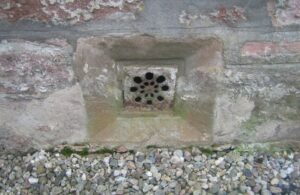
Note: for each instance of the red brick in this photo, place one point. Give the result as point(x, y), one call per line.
point(64, 12)
point(269, 49)
point(34, 70)
point(229, 15)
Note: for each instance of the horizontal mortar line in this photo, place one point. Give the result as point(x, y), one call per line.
point(279, 65)
point(170, 27)
point(137, 29)
point(92, 31)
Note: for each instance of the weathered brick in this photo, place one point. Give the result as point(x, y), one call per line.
point(229, 15)
point(270, 49)
point(34, 70)
point(284, 12)
point(65, 12)
point(222, 15)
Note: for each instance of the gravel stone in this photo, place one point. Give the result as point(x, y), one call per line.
point(33, 180)
point(274, 181)
point(214, 188)
point(155, 171)
point(275, 189)
point(121, 149)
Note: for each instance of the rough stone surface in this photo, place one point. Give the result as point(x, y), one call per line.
point(43, 123)
point(237, 79)
point(256, 102)
point(229, 115)
point(269, 51)
point(284, 12)
point(31, 70)
point(68, 12)
point(102, 66)
point(38, 94)
point(222, 15)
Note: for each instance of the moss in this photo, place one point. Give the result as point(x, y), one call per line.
point(131, 151)
point(68, 151)
point(262, 148)
point(207, 151)
point(151, 146)
point(105, 151)
point(83, 152)
point(292, 116)
point(292, 101)
point(253, 122)
point(180, 110)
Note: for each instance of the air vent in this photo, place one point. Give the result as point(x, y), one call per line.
point(149, 87)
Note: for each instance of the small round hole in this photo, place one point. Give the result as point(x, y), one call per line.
point(149, 75)
point(146, 83)
point(137, 80)
point(155, 91)
point(133, 89)
point(160, 98)
point(146, 95)
point(160, 79)
point(155, 86)
point(152, 83)
point(142, 87)
point(165, 88)
point(152, 95)
point(138, 99)
point(142, 91)
point(149, 102)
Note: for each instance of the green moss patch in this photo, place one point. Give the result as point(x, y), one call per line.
point(104, 151)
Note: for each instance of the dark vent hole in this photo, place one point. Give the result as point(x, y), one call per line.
point(149, 75)
point(138, 80)
point(138, 99)
point(160, 79)
point(160, 98)
point(133, 89)
point(149, 102)
point(165, 88)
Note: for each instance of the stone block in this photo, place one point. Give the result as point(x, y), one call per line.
point(272, 52)
point(39, 101)
point(31, 70)
point(107, 67)
point(67, 12)
point(258, 104)
point(284, 12)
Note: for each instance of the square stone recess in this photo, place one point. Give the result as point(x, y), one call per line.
point(149, 87)
point(106, 68)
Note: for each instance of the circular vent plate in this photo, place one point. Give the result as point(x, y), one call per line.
point(149, 87)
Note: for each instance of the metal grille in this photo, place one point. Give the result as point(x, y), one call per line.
point(150, 87)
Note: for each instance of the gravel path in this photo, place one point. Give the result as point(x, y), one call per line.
point(156, 171)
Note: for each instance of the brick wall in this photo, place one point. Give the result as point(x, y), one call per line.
point(258, 82)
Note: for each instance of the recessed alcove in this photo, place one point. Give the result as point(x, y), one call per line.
point(142, 90)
